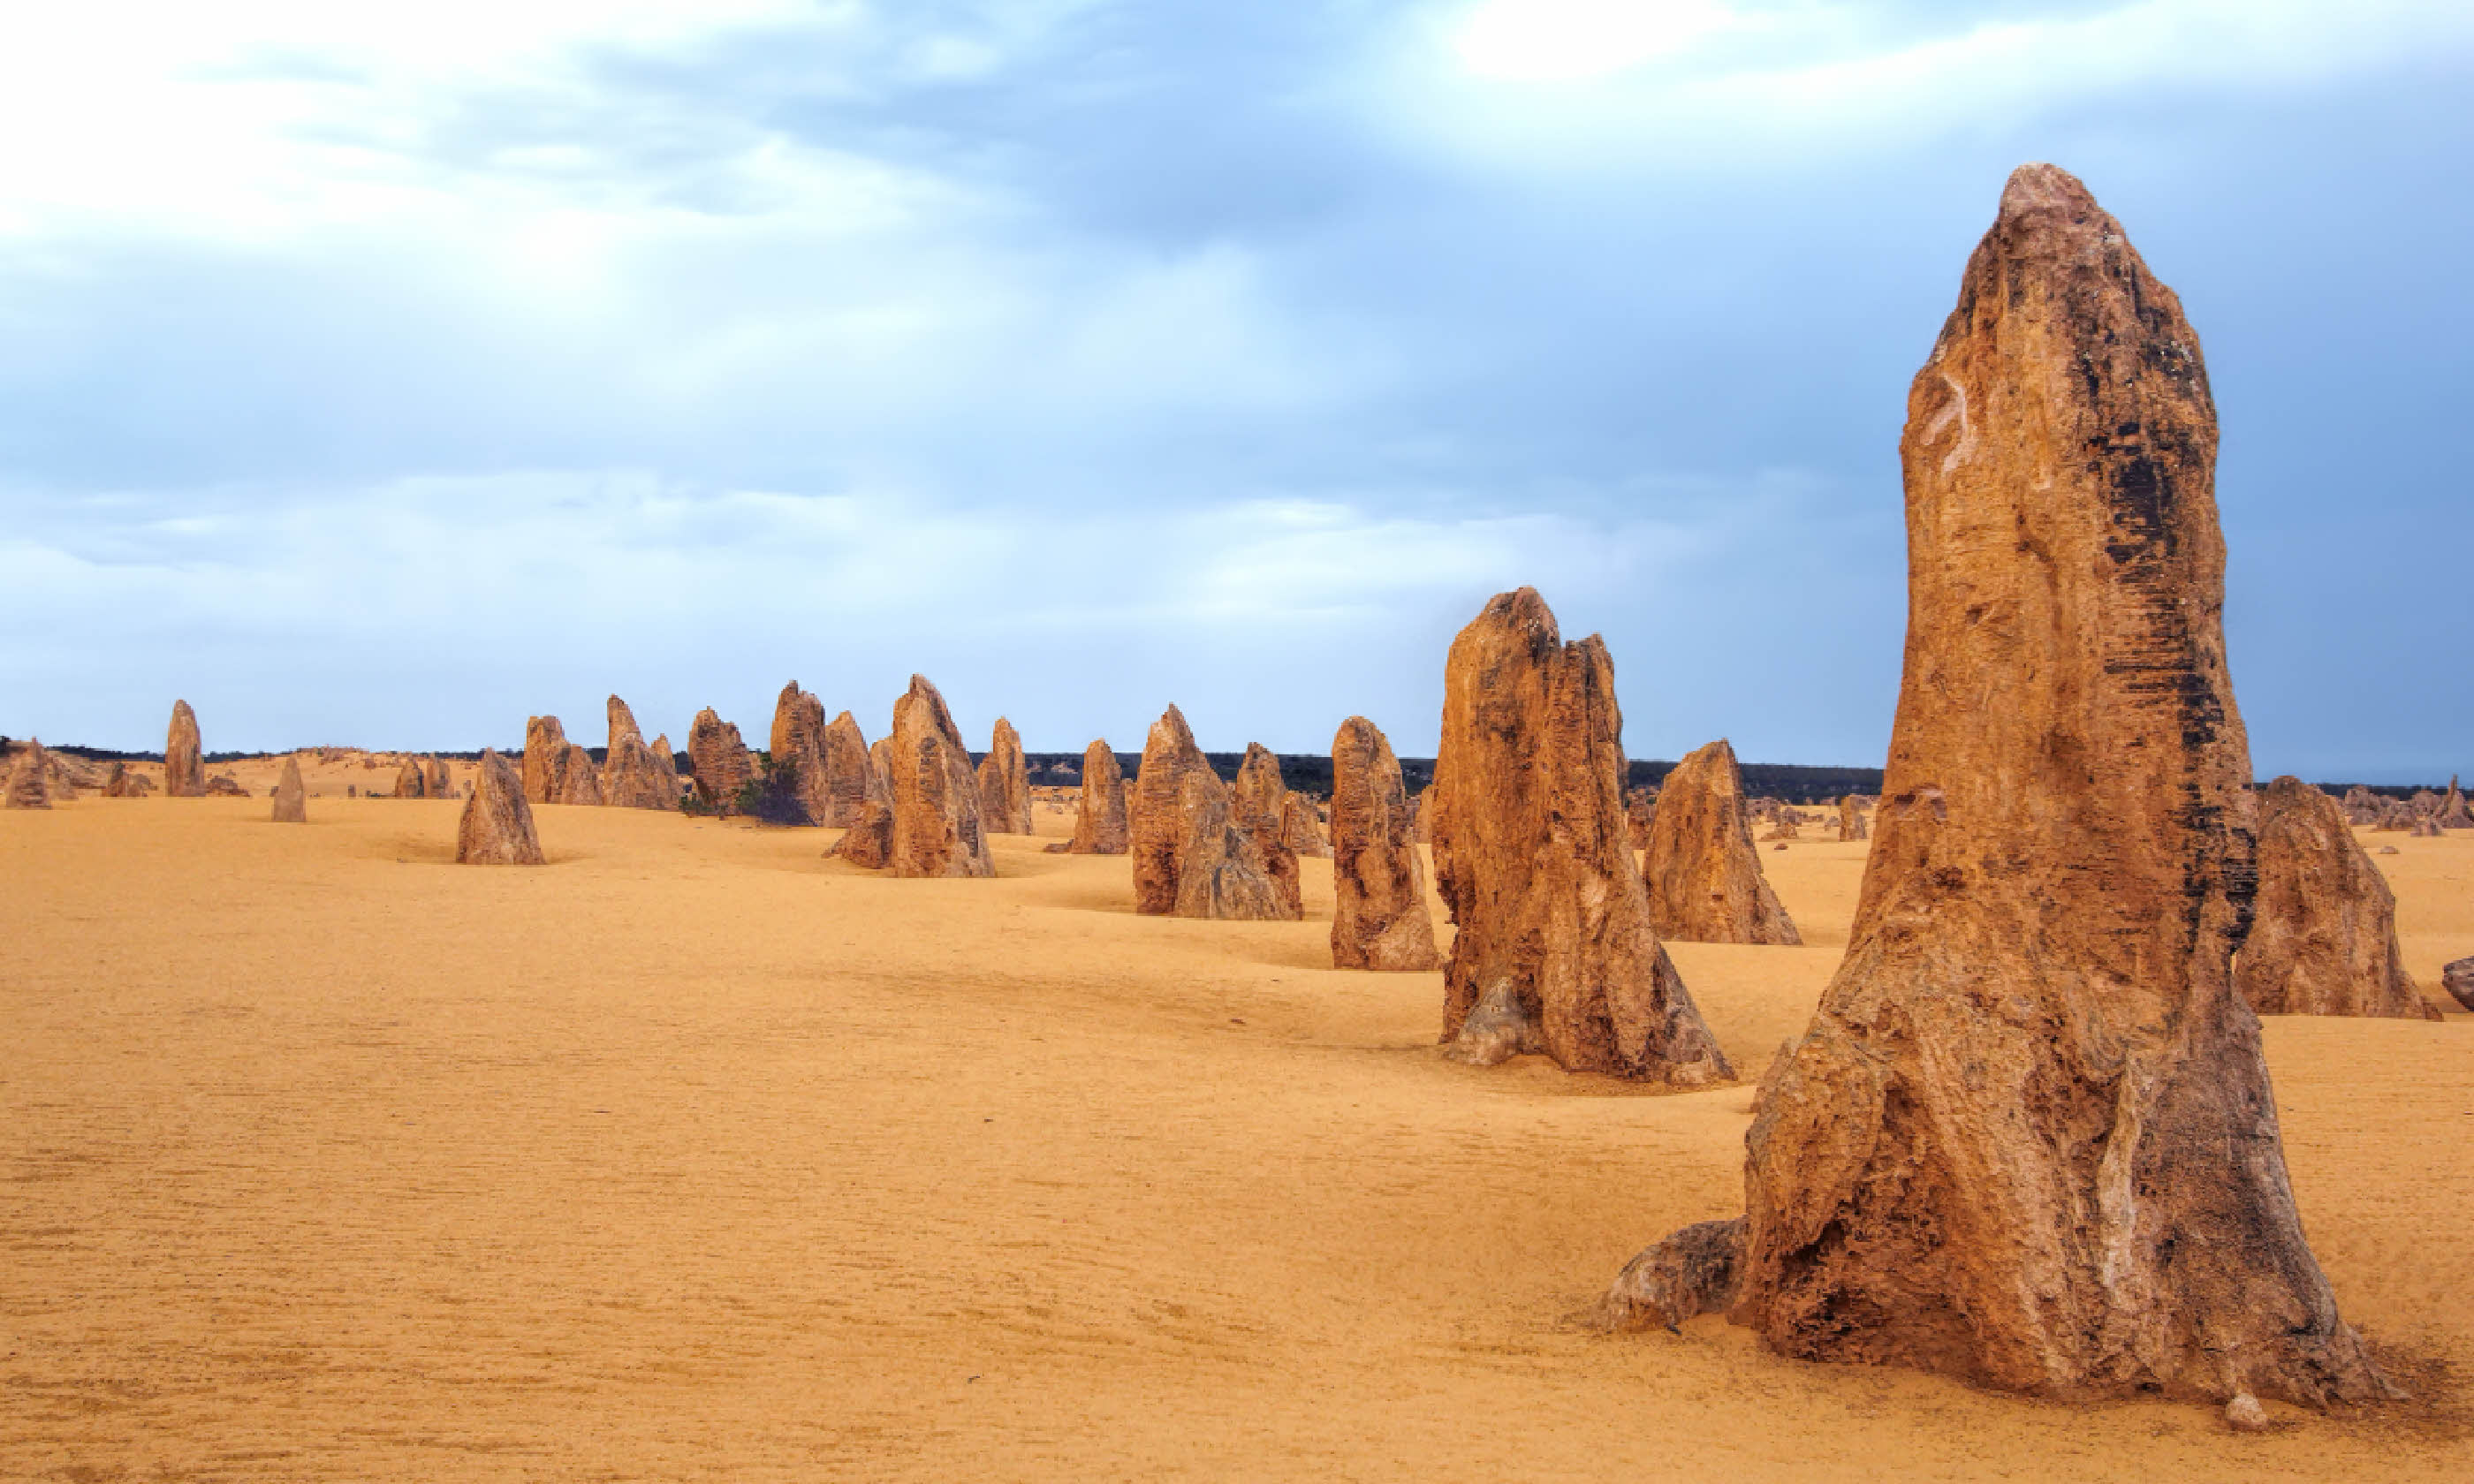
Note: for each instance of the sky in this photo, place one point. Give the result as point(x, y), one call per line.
point(383, 376)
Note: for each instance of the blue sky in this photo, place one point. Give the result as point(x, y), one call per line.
point(383, 378)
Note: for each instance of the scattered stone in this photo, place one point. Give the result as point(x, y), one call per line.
point(1704, 878)
point(1100, 826)
point(1555, 952)
point(2457, 977)
point(2385, 849)
point(718, 761)
point(1696, 1270)
point(1380, 921)
point(934, 795)
point(1004, 784)
point(496, 828)
point(631, 778)
point(1851, 817)
point(546, 760)
point(2029, 1139)
point(2244, 1413)
point(2323, 921)
point(28, 784)
point(1258, 802)
point(1158, 827)
point(184, 767)
point(291, 797)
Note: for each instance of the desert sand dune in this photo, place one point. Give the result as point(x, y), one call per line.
point(695, 1154)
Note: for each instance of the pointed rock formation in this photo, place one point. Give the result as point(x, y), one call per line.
point(1158, 827)
point(2323, 926)
point(719, 760)
point(29, 782)
point(1555, 952)
point(1004, 784)
point(1258, 804)
point(631, 778)
point(868, 840)
point(1380, 921)
point(1301, 828)
point(546, 759)
point(496, 828)
point(440, 786)
point(847, 773)
point(2362, 806)
point(579, 782)
point(2029, 1139)
point(2453, 813)
point(1100, 827)
point(1222, 872)
point(798, 744)
point(2425, 826)
point(665, 762)
point(184, 766)
point(410, 782)
point(934, 793)
point(291, 799)
point(1703, 877)
point(1851, 817)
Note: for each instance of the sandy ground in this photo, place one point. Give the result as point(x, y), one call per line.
point(695, 1155)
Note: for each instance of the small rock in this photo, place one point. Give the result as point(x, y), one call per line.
point(2244, 1413)
point(2457, 979)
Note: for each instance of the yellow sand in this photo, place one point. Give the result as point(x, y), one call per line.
point(695, 1155)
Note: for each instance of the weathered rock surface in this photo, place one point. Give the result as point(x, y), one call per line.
point(1380, 921)
point(1099, 826)
point(1640, 807)
point(291, 797)
point(846, 773)
point(579, 782)
point(1158, 827)
point(2362, 806)
point(2425, 826)
point(632, 778)
point(798, 744)
point(1258, 802)
point(28, 783)
point(868, 838)
point(184, 766)
point(546, 760)
point(1696, 1270)
point(665, 762)
point(2324, 924)
point(1301, 828)
point(496, 828)
point(1555, 952)
point(2029, 1139)
point(2457, 977)
point(1703, 875)
point(2453, 813)
point(411, 780)
point(1221, 871)
point(718, 761)
point(1851, 817)
point(441, 784)
point(933, 793)
point(1004, 784)
point(223, 786)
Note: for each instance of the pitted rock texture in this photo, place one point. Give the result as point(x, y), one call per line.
point(1703, 875)
point(28, 784)
point(2457, 977)
point(1099, 826)
point(718, 761)
point(1005, 784)
point(2324, 924)
point(1258, 801)
point(1221, 871)
point(496, 828)
point(1157, 827)
point(798, 744)
point(632, 777)
point(934, 793)
point(1640, 807)
point(1697, 1270)
point(579, 782)
point(184, 767)
point(846, 774)
point(868, 838)
point(1555, 952)
point(2028, 1138)
point(546, 760)
point(1301, 828)
point(1851, 817)
point(1380, 919)
point(291, 797)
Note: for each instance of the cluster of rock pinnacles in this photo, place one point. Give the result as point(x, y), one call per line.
point(2027, 1139)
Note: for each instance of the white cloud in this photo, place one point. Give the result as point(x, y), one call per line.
point(1539, 41)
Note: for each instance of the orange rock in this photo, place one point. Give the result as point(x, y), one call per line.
point(2323, 924)
point(1301, 828)
point(440, 785)
point(1004, 784)
point(579, 782)
point(1703, 875)
point(2029, 1140)
point(291, 799)
point(1555, 952)
point(718, 761)
point(1100, 827)
point(28, 783)
point(632, 778)
point(1158, 827)
point(1258, 804)
point(496, 828)
point(184, 768)
point(847, 775)
point(546, 760)
point(798, 744)
point(1851, 817)
point(868, 840)
point(1221, 869)
point(411, 781)
point(1380, 921)
point(934, 793)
